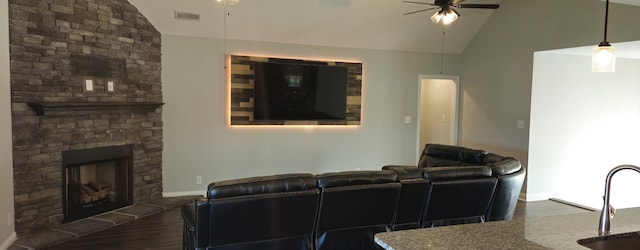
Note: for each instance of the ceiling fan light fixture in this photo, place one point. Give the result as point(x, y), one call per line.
point(447, 16)
point(603, 58)
point(228, 2)
point(437, 17)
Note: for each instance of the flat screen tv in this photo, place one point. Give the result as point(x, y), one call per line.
point(299, 90)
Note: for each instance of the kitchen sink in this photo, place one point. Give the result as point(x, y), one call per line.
point(621, 241)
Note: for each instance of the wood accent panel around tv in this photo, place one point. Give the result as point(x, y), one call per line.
point(284, 91)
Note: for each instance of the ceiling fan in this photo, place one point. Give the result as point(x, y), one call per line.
point(447, 13)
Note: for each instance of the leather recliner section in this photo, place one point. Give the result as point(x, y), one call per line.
point(413, 192)
point(458, 195)
point(510, 174)
point(271, 212)
point(354, 206)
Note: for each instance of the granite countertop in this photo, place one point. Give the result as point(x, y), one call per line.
point(553, 232)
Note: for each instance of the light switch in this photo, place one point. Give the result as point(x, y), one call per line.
point(88, 85)
point(110, 86)
point(407, 119)
point(520, 124)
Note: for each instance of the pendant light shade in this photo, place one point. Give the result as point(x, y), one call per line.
point(604, 56)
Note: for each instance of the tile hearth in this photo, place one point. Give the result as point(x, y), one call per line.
point(69, 231)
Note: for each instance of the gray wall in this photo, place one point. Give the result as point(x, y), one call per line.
point(6, 162)
point(497, 65)
point(198, 141)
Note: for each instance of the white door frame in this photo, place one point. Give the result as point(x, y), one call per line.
point(455, 127)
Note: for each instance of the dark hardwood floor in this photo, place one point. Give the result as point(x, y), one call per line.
point(164, 230)
point(159, 231)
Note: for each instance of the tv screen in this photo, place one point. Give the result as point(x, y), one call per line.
point(299, 91)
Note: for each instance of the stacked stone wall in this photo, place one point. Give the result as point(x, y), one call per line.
point(55, 47)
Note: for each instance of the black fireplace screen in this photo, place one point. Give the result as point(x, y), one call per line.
point(96, 181)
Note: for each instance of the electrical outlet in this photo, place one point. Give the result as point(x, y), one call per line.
point(198, 179)
point(110, 86)
point(88, 85)
point(407, 119)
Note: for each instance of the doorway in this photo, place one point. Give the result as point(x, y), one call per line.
point(437, 110)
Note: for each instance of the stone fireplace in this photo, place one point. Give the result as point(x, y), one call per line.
point(96, 180)
point(56, 48)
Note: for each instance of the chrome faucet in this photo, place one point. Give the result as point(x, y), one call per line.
point(606, 214)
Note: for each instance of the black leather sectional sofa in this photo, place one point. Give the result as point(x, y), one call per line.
point(343, 210)
point(461, 185)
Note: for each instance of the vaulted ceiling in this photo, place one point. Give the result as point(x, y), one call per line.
point(369, 24)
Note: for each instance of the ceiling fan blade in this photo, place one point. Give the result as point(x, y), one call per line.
point(455, 11)
point(456, 2)
point(415, 2)
point(478, 6)
point(413, 12)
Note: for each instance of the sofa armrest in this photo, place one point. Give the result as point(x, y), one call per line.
point(196, 224)
point(189, 216)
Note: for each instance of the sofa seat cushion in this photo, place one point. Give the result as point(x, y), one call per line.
point(456, 172)
point(261, 185)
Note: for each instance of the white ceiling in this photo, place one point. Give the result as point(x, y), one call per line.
point(370, 24)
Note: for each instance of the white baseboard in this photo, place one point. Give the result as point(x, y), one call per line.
point(536, 197)
point(574, 204)
point(7, 243)
point(185, 193)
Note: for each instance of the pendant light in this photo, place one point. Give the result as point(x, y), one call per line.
point(604, 56)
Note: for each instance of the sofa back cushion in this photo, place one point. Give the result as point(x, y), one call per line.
point(444, 151)
point(501, 165)
point(271, 212)
point(261, 185)
point(355, 178)
point(473, 156)
point(405, 172)
point(435, 155)
point(456, 172)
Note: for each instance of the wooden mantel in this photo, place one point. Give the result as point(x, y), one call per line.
point(42, 108)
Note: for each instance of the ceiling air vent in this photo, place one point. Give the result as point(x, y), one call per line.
point(181, 15)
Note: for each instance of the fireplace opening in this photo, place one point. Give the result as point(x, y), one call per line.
point(96, 180)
